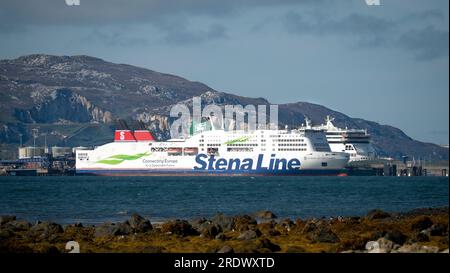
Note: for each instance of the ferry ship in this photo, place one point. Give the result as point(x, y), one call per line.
point(211, 151)
point(355, 142)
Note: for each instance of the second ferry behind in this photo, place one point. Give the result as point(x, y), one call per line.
point(211, 151)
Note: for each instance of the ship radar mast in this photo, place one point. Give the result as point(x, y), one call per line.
point(329, 120)
point(308, 122)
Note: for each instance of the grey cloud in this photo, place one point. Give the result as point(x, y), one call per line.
point(114, 39)
point(181, 35)
point(353, 24)
point(22, 14)
point(426, 43)
point(370, 31)
point(101, 12)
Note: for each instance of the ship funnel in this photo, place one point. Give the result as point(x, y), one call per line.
point(123, 136)
point(143, 135)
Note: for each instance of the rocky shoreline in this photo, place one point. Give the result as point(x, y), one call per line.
point(417, 231)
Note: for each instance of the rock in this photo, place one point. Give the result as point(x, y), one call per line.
point(382, 245)
point(265, 214)
point(179, 227)
point(225, 222)
point(221, 237)
point(415, 248)
point(438, 230)
point(249, 235)
point(421, 223)
point(377, 214)
point(422, 237)
point(273, 232)
point(139, 224)
point(267, 244)
point(211, 231)
point(244, 222)
point(426, 232)
point(287, 224)
point(6, 218)
point(377, 235)
point(5, 233)
point(17, 225)
point(45, 230)
point(112, 229)
point(267, 225)
point(226, 249)
point(324, 235)
point(396, 236)
point(309, 227)
point(199, 224)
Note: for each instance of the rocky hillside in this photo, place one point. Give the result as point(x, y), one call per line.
point(79, 100)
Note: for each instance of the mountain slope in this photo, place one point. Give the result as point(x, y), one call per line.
point(79, 100)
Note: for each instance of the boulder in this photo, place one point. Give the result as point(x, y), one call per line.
point(377, 214)
point(396, 236)
point(265, 214)
point(112, 229)
point(179, 227)
point(309, 227)
point(226, 249)
point(211, 231)
point(421, 237)
point(45, 230)
point(381, 245)
point(139, 224)
point(221, 237)
point(6, 218)
point(324, 235)
point(273, 232)
point(225, 222)
point(244, 222)
point(5, 233)
point(249, 235)
point(199, 223)
point(17, 225)
point(267, 244)
point(438, 230)
point(287, 224)
point(415, 248)
point(421, 223)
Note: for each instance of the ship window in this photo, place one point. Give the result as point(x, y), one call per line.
point(324, 164)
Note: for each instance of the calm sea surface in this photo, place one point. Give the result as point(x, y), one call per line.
point(98, 199)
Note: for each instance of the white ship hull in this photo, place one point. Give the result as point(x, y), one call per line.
point(260, 157)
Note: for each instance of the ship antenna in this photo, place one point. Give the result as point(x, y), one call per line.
point(308, 122)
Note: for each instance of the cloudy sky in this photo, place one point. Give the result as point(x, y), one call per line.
point(386, 63)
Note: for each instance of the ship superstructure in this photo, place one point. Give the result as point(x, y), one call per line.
point(355, 142)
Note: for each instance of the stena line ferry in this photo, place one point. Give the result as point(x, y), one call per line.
point(215, 152)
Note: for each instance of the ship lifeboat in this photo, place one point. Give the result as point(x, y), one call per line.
point(191, 151)
point(174, 151)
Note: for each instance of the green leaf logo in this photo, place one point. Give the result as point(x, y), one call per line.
point(117, 159)
point(237, 140)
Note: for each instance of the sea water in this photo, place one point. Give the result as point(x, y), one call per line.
point(92, 200)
